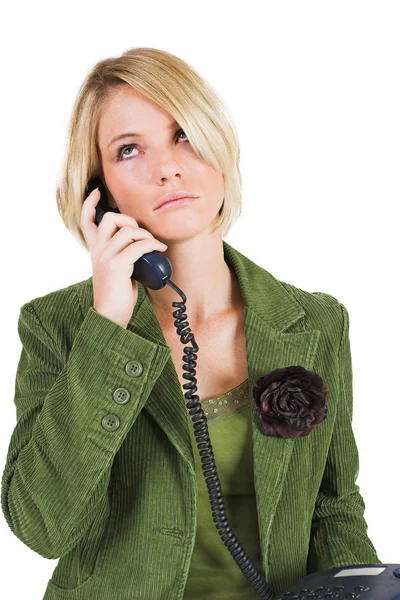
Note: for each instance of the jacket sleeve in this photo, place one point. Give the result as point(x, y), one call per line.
point(60, 455)
point(339, 530)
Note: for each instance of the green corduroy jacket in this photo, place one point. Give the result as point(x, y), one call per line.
point(114, 499)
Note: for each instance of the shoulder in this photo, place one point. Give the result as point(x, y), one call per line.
point(284, 304)
point(322, 310)
point(263, 288)
point(59, 301)
point(313, 301)
point(57, 315)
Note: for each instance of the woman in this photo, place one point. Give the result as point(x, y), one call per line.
point(103, 471)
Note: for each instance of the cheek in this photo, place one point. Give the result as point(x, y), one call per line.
point(216, 184)
point(129, 195)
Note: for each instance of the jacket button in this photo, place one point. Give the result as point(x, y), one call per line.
point(121, 395)
point(134, 368)
point(110, 422)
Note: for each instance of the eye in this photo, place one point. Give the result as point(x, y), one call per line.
point(181, 130)
point(121, 149)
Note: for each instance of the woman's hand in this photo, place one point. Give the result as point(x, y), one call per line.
point(115, 245)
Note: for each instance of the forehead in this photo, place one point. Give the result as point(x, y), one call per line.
point(127, 109)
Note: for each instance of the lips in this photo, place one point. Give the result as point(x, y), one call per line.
point(176, 203)
point(175, 196)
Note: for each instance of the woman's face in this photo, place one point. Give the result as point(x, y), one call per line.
point(161, 161)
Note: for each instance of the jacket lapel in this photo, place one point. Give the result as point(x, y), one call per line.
point(270, 310)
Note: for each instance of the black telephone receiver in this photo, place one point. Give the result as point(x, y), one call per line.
point(153, 269)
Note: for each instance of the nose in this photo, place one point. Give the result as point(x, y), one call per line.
point(168, 167)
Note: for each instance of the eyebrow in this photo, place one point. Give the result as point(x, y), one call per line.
point(138, 135)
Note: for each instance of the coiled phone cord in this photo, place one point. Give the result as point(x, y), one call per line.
point(206, 452)
point(153, 270)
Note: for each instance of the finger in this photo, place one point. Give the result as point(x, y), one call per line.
point(104, 232)
point(112, 222)
point(124, 237)
point(88, 213)
point(134, 251)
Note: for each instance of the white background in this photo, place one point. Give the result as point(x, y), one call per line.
point(314, 91)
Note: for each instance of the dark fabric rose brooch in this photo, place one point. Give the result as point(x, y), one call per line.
point(290, 402)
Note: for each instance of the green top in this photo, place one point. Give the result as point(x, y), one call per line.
point(213, 572)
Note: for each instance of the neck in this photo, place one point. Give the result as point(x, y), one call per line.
point(200, 271)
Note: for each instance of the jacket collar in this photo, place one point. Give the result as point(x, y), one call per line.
point(270, 311)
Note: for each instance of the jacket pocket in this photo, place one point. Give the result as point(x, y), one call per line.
point(86, 591)
point(79, 567)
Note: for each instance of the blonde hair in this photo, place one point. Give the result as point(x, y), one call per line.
point(183, 93)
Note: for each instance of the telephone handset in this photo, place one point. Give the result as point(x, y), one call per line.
point(154, 270)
